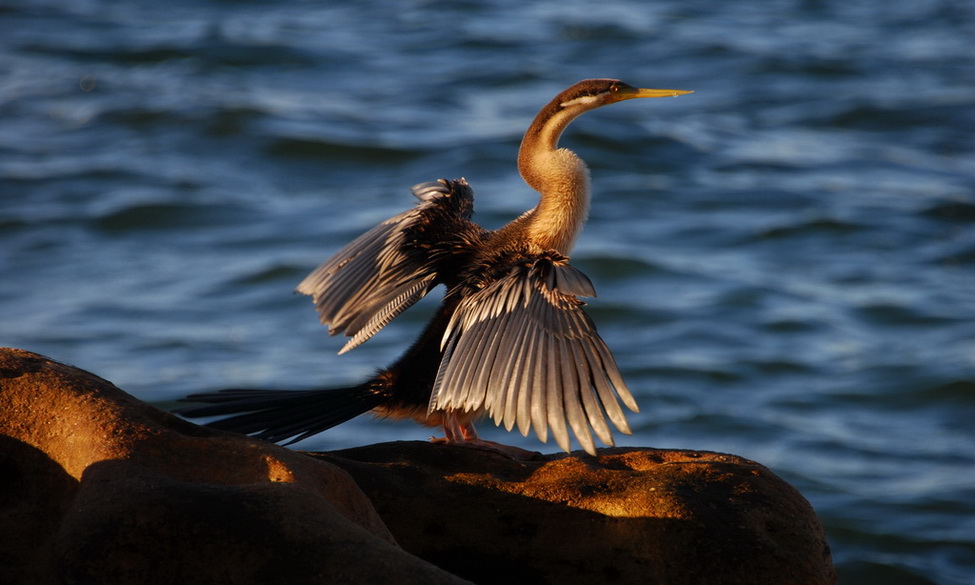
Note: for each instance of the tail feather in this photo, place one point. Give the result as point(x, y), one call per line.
point(278, 415)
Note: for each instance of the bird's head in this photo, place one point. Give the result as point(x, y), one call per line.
point(582, 97)
point(593, 93)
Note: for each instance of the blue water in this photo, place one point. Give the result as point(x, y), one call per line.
point(785, 258)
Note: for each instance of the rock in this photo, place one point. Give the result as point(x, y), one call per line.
point(628, 516)
point(98, 487)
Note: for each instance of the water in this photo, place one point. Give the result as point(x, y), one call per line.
point(785, 258)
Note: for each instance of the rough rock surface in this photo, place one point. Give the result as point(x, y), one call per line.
point(98, 487)
point(628, 516)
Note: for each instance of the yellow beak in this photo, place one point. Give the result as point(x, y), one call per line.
point(630, 93)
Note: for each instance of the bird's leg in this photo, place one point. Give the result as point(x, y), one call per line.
point(464, 435)
point(457, 432)
point(468, 432)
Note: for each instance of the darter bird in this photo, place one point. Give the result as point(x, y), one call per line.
point(510, 339)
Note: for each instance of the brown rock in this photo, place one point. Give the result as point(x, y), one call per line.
point(97, 487)
point(628, 516)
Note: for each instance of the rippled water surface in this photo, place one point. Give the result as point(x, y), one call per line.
point(785, 258)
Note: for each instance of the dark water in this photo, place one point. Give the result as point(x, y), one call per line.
point(785, 258)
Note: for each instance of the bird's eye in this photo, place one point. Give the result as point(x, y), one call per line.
point(614, 88)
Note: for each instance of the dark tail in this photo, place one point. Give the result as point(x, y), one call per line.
point(278, 415)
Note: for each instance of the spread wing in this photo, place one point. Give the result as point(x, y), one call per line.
point(523, 350)
point(386, 270)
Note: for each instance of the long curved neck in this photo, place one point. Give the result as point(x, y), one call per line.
point(561, 178)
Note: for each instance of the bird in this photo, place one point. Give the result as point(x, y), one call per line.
point(510, 339)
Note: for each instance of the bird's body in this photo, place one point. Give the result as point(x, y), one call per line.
point(510, 339)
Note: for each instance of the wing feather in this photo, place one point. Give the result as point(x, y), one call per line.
point(539, 389)
point(523, 390)
point(574, 412)
point(605, 392)
point(522, 350)
point(594, 411)
point(386, 270)
point(501, 405)
point(557, 389)
point(390, 311)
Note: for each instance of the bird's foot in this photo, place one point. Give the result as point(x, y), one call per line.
point(463, 434)
point(510, 451)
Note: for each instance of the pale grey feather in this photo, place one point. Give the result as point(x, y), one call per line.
point(523, 351)
point(374, 278)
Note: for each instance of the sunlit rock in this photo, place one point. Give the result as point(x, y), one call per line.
point(98, 487)
point(628, 516)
